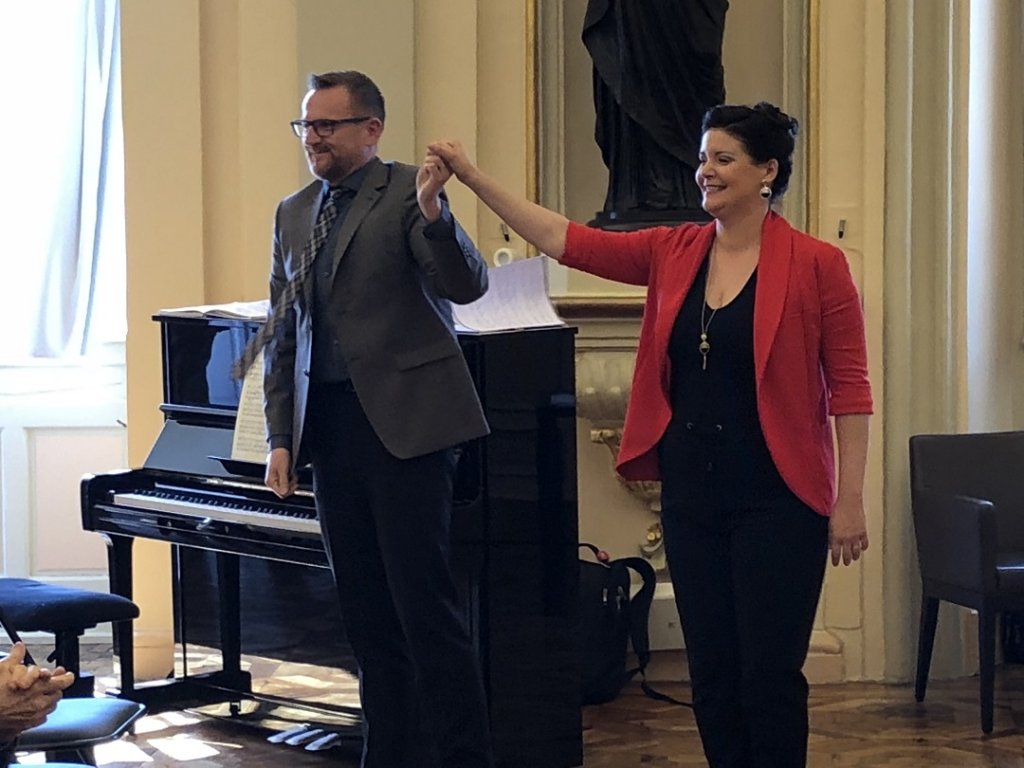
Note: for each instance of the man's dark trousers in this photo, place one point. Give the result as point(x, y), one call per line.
point(386, 525)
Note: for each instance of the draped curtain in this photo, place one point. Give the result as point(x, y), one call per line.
point(62, 247)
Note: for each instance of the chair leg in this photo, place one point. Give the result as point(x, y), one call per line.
point(987, 665)
point(925, 643)
point(66, 652)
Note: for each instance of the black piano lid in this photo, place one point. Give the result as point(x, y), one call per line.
point(188, 449)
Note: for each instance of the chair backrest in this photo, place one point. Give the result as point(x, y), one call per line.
point(983, 465)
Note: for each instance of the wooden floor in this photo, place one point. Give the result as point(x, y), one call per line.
point(853, 725)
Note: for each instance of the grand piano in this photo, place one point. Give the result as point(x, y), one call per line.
point(250, 573)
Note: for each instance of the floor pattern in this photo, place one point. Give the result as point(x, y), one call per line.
point(853, 725)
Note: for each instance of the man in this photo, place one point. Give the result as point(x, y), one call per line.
point(28, 694)
point(364, 375)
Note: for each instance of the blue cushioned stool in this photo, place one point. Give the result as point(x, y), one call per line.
point(65, 612)
point(78, 725)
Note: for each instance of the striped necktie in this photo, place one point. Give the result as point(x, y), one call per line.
point(293, 288)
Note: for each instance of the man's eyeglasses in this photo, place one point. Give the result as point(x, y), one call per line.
point(324, 128)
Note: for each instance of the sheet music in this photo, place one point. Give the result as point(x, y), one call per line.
point(250, 439)
point(235, 310)
point(517, 297)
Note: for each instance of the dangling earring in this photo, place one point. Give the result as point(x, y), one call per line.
point(766, 191)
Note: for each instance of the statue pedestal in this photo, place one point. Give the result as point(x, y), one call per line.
point(627, 221)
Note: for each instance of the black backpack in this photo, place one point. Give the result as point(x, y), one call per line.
point(609, 619)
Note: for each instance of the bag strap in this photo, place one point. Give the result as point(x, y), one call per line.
point(651, 693)
point(639, 609)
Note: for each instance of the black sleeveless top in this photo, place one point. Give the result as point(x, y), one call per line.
point(714, 452)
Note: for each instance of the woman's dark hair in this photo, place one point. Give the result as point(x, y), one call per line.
point(766, 132)
point(366, 96)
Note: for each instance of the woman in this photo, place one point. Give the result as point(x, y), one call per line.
point(752, 337)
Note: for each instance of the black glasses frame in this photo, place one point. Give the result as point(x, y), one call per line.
point(324, 128)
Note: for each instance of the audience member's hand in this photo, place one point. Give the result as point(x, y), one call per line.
point(28, 694)
point(14, 673)
point(454, 156)
point(430, 180)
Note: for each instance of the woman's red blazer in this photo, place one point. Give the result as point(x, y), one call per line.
point(810, 357)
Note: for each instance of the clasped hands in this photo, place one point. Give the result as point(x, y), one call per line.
point(443, 159)
point(28, 693)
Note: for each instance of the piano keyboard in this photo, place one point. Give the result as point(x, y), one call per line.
point(228, 509)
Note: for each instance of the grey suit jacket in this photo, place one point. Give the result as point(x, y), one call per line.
point(392, 288)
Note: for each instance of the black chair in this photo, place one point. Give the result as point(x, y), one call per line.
point(65, 612)
point(76, 726)
point(967, 497)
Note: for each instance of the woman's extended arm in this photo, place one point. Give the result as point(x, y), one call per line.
point(534, 223)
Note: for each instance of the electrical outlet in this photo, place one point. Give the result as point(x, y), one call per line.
point(663, 623)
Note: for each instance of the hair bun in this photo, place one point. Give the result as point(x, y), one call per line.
point(777, 117)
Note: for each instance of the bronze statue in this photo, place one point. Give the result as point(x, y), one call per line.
point(657, 69)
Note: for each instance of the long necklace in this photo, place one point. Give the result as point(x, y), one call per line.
point(705, 346)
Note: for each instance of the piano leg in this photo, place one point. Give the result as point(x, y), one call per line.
point(119, 565)
point(230, 617)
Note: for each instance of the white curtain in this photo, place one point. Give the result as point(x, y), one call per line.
point(62, 246)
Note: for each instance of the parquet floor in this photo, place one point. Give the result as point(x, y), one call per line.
point(854, 725)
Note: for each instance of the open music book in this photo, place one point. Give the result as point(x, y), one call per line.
point(234, 310)
point(517, 297)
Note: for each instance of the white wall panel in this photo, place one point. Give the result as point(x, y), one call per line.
point(57, 422)
point(58, 457)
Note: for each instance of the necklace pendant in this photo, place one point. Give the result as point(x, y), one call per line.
point(704, 347)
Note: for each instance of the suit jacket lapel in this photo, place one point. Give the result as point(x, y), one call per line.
point(370, 192)
point(772, 283)
point(310, 218)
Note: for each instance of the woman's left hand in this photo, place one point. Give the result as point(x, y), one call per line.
point(847, 530)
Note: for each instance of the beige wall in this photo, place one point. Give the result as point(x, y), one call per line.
point(164, 238)
point(848, 126)
point(248, 93)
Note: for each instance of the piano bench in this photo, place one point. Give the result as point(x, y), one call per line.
point(64, 612)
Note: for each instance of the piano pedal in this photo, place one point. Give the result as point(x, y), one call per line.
point(324, 742)
point(301, 738)
point(280, 736)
